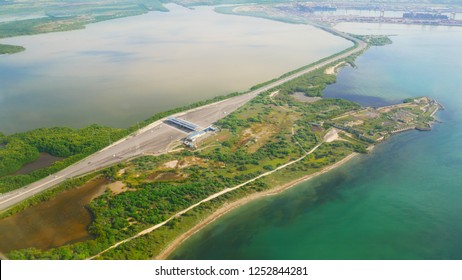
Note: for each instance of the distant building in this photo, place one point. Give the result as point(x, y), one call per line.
point(193, 136)
point(412, 15)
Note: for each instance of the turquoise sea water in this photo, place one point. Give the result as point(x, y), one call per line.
point(402, 201)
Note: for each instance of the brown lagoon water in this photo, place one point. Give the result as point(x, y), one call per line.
point(53, 223)
point(122, 71)
point(44, 160)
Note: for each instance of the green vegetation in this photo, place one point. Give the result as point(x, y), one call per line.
point(411, 99)
point(327, 80)
point(375, 124)
point(64, 15)
point(311, 84)
point(40, 25)
point(14, 154)
point(374, 40)
point(10, 49)
point(260, 14)
point(72, 144)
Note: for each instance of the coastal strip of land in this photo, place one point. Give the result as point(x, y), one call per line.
point(10, 49)
point(236, 204)
point(359, 122)
point(213, 196)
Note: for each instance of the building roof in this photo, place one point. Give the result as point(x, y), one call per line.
point(183, 123)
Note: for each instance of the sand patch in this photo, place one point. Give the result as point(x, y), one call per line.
point(257, 135)
point(117, 187)
point(300, 96)
point(166, 176)
point(353, 123)
point(171, 164)
point(191, 161)
point(331, 135)
point(273, 94)
point(333, 70)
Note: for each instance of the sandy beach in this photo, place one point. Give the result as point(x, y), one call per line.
point(233, 205)
point(333, 70)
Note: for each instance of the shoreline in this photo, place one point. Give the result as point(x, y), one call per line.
point(227, 207)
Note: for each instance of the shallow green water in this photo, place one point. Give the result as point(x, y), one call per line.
point(403, 201)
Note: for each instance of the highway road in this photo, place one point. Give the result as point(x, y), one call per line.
point(155, 138)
